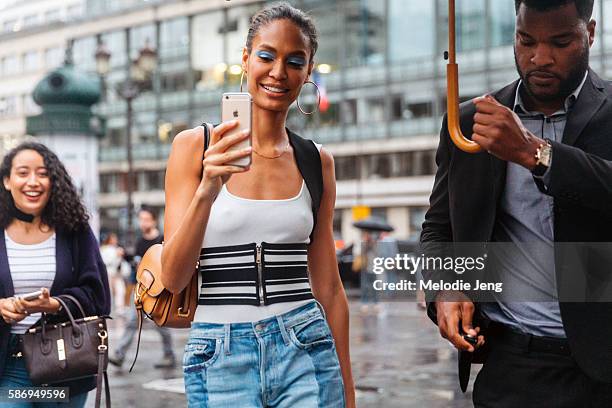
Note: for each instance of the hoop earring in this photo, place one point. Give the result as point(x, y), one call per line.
point(242, 79)
point(318, 99)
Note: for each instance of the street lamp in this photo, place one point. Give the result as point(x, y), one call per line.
point(141, 71)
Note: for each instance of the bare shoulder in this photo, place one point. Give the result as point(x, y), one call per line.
point(189, 139)
point(327, 162)
point(186, 154)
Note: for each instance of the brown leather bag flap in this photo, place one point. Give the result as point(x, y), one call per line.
point(148, 274)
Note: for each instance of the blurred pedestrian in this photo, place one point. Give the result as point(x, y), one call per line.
point(112, 255)
point(42, 220)
point(259, 336)
point(150, 235)
point(369, 296)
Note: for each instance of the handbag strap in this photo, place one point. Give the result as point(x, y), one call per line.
point(139, 313)
point(76, 302)
point(102, 357)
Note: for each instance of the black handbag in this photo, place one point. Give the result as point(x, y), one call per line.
point(69, 350)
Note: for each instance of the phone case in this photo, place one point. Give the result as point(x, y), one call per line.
point(238, 106)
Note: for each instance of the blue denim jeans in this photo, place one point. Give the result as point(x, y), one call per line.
point(284, 361)
point(16, 376)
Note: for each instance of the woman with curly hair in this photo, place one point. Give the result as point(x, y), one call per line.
point(43, 228)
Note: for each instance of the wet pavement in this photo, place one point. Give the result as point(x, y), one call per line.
point(399, 360)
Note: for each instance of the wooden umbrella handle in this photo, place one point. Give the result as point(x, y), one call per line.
point(452, 90)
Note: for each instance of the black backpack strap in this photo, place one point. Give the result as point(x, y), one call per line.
point(308, 160)
point(206, 127)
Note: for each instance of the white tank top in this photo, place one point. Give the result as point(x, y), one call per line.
point(235, 221)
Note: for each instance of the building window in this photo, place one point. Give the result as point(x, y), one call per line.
point(10, 65)
point(174, 39)
point(417, 216)
point(176, 81)
point(8, 106)
point(386, 165)
point(206, 55)
point(52, 16)
point(29, 106)
point(154, 180)
point(9, 26)
point(348, 108)
point(53, 57)
point(74, 12)
point(84, 50)
point(471, 30)
point(347, 167)
point(375, 111)
point(31, 20)
point(365, 32)
point(31, 61)
point(414, 40)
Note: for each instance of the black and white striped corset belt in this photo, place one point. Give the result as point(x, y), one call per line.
point(254, 274)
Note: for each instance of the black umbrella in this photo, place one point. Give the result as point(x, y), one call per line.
point(373, 224)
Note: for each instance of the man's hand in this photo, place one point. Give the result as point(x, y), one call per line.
point(454, 308)
point(499, 131)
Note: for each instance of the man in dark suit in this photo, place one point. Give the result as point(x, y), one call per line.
point(545, 178)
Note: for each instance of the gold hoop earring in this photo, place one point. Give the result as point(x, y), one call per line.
point(318, 99)
point(242, 79)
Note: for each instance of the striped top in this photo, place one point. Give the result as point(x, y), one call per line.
point(32, 267)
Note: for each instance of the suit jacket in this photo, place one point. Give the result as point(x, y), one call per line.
point(465, 200)
point(86, 281)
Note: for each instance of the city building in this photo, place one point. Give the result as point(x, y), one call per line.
point(380, 63)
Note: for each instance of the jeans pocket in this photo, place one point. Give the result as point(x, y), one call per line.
point(311, 333)
point(200, 353)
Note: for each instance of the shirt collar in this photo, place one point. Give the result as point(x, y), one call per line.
point(519, 106)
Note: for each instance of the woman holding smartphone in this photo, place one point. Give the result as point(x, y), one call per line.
point(41, 219)
point(259, 337)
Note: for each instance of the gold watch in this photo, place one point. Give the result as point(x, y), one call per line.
point(543, 158)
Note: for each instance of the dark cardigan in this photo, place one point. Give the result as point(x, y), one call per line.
point(89, 286)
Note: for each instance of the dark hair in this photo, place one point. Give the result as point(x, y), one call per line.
point(147, 209)
point(284, 11)
point(584, 7)
point(64, 211)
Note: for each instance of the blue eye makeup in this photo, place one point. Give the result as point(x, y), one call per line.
point(265, 55)
point(296, 61)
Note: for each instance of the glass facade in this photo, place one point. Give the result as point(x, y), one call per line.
point(379, 63)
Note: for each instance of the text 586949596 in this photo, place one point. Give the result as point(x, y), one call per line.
point(34, 394)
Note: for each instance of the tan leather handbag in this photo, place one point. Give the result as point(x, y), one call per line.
point(156, 302)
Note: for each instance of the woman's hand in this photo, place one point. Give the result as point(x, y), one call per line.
point(44, 303)
point(217, 171)
point(9, 312)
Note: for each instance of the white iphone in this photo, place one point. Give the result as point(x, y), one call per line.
point(31, 295)
point(238, 106)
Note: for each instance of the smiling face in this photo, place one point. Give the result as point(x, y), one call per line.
point(552, 51)
point(278, 65)
point(29, 182)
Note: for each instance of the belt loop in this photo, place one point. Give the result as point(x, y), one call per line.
point(283, 330)
point(227, 339)
point(322, 309)
point(528, 344)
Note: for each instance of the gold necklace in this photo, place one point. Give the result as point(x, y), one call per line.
point(273, 157)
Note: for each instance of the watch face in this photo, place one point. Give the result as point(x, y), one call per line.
point(545, 155)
